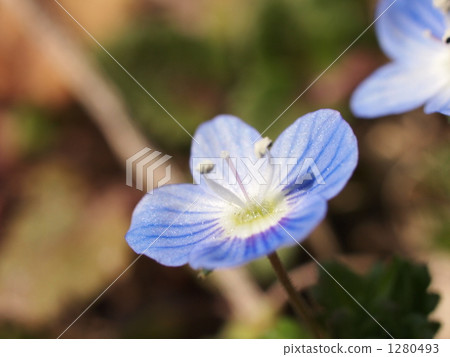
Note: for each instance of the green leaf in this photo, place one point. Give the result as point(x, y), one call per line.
point(286, 327)
point(395, 294)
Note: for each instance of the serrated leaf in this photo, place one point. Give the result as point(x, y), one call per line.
point(395, 294)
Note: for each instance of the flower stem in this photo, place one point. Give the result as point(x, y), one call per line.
point(298, 304)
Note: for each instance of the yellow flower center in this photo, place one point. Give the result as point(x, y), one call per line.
point(253, 212)
point(254, 217)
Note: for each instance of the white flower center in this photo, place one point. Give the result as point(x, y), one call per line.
point(255, 217)
point(245, 218)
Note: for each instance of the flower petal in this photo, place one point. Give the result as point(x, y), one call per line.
point(224, 133)
point(323, 151)
point(439, 103)
point(396, 88)
point(306, 213)
point(410, 28)
point(167, 224)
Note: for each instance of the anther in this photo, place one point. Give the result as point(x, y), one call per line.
point(443, 5)
point(205, 167)
point(261, 147)
point(224, 155)
point(446, 37)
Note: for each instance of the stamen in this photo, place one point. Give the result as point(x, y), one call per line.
point(263, 188)
point(224, 193)
point(261, 147)
point(226, 157)
point(446, 37)
point(427, 33)
point(205, 167)
point(444, 5)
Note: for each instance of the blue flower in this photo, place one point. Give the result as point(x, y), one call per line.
point(250, 197)
point(414, 34)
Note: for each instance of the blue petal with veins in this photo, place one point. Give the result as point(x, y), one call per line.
point(413, 33)
point(211, 227)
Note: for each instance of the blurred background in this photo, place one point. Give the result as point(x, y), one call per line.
point(70, 116)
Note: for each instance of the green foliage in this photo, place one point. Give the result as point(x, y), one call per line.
point(183, 73)
point(254, 75)
point(286, 327)
point(436, 172)
point(36, 130)
point(442, 234)
point(395, 294)
point(328, 27)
